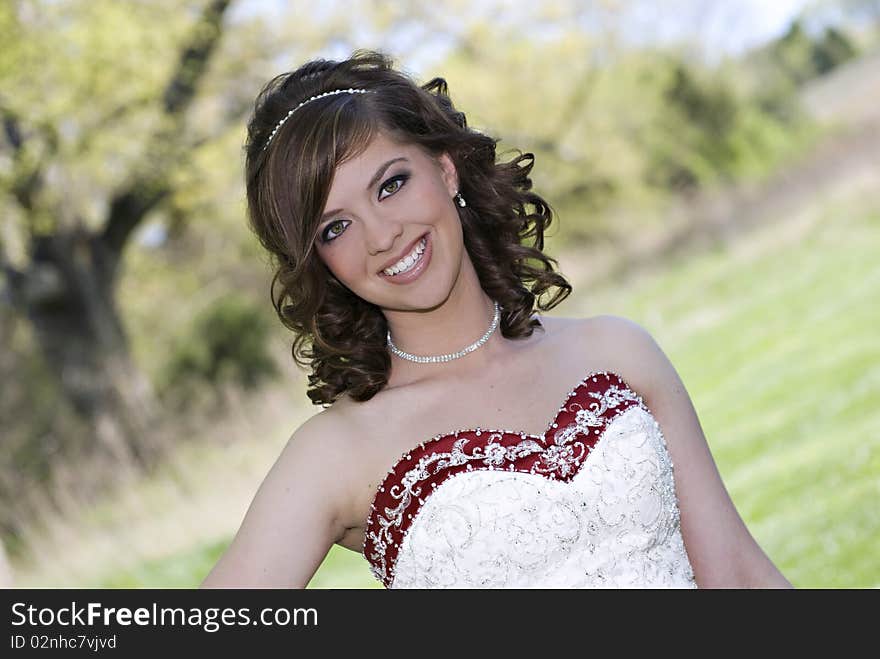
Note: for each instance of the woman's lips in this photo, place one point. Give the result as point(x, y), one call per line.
point(417, 269)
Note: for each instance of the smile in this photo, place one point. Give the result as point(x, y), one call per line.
point(412, 265)
point(409, 261)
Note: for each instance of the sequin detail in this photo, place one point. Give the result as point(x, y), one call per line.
point(544, 520)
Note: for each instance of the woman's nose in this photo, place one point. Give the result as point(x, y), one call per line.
point(382, 235)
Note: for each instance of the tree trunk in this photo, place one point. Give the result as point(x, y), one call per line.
point(69, 298)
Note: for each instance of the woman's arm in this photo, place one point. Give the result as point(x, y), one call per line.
point(294, 517)
point(721, 550)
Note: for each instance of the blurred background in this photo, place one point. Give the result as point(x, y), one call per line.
point(715, 168)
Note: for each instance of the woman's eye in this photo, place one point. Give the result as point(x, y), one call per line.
point(392, 185)
point(329, 234)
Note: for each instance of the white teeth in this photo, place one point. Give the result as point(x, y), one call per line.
point(406, 263)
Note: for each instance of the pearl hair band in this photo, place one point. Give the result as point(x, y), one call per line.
point(309, 100)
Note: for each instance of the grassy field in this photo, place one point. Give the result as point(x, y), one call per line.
point(773, 333)
point(776, 338)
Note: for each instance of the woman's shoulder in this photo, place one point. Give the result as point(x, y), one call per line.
point(333, 437)
point(345, 428)
point(613, 332)
point(317, 441)
point(621, 345)
point(321, 446)
point(332, 426)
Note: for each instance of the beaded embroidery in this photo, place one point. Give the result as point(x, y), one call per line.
point(557, 454)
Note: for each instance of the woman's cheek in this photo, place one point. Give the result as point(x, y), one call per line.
point(349, 266)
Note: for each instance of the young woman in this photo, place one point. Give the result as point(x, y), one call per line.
point(466, 440)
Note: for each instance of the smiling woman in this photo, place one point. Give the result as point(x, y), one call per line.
point(401, 247)
point(379, 160)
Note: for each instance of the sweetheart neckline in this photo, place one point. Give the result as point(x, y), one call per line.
point(407, 454)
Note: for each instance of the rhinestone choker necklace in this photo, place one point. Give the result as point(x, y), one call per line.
point(455, 355)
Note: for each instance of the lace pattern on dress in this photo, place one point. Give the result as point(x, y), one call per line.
point(557, 455)
point(614, 524)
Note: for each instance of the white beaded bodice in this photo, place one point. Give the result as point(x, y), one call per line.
point(589, 503)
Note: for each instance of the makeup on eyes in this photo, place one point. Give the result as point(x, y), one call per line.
point(324, 233)
point(403, 176)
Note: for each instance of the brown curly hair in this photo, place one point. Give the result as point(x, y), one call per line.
point(340, 336)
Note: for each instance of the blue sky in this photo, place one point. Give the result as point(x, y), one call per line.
point(728, 26)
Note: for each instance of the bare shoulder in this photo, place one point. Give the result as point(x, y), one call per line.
point(324, 442)
point(605, 325)
point(629, 350)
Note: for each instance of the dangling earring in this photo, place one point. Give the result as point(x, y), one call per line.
point(460, 200)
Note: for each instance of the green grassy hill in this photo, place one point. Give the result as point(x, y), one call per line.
point(776, 338)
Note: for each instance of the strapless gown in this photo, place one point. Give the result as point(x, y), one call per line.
point(589, 503)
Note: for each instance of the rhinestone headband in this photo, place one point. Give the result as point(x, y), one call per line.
point(309, 100)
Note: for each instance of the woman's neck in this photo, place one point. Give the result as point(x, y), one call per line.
point(459, 321)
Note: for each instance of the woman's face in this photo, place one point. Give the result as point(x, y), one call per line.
point(380, 205)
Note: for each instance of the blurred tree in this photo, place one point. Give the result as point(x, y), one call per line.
point(64, 283)
point(227, 341)
point(832, 50)
point(793, 53)
point(702, 114)
point(802, 57)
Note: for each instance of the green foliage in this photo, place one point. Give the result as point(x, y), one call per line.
point(627, 130)
point(832, 50)
point(800, 57)
point(711, 130)
point(226, 343)
point(792, 52)
point(777, 97)
point(710, 105)
point(698, 119)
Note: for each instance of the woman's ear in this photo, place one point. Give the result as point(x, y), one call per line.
point(449, 173)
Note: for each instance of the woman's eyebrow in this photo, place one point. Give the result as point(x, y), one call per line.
point(379, 172)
